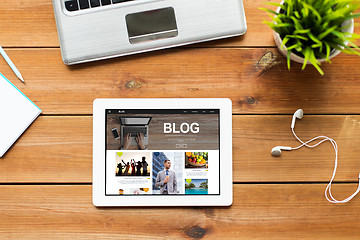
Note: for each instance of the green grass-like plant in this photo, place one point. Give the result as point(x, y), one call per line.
point(313, 28)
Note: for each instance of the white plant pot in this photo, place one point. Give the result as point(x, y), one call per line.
point(296, 58)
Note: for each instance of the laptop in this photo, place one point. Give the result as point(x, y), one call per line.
point(92, 30)
point(134, 125)
point(186, 160)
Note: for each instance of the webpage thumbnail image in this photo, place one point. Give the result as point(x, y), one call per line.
point(132, 164)
point(168, 172)
point(196, 186)
point(128, 173)
point(196, 159)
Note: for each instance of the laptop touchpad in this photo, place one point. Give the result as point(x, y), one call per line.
point(151, 25)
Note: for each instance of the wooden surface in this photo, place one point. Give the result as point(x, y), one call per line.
point(260, 211)
point(45, 178)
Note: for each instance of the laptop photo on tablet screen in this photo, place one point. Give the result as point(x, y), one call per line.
point(92, 30)
point(134, 125)
point(172, 152)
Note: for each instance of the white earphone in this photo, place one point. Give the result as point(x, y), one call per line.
point(276, 152)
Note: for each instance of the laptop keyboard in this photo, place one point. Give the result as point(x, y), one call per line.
point(135, 130)
point(75, 5)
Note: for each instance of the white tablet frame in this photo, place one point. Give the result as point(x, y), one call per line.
point(99, 142)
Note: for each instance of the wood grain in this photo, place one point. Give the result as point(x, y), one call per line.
point(241, 75)
point(28, 24)
point(58, 149)
point(32, 24)
point(255, 136)
point(53, 149)
point(258, 212)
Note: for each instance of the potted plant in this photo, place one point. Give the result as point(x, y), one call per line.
point(314, 31)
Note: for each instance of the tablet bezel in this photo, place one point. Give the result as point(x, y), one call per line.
point(225, 197)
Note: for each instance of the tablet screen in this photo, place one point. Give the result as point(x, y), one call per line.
point(162, 151)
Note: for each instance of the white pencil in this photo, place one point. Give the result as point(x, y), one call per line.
point(11, 64)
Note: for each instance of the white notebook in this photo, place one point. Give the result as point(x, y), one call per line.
point(17, 112)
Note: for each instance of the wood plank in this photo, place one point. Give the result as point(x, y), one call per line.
point(259, 212)
point(32, 24)
point(59, 149)
point(238, 74)
point(27, 23)
point(53, 149)
point(255, 136)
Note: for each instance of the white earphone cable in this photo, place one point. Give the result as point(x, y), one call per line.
point(328, 194)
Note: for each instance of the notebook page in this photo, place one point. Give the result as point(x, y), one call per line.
point(17, 112)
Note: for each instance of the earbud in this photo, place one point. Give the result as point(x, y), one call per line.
point(298, 114)
point(276, 151)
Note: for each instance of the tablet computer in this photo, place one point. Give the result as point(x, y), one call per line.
point(162, 152)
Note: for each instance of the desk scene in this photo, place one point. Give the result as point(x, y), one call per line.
point(278, 190)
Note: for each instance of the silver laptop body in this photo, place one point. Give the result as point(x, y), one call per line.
point(134, 125)
point(92, 30)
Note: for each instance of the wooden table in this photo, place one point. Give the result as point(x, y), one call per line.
point(46, 177)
